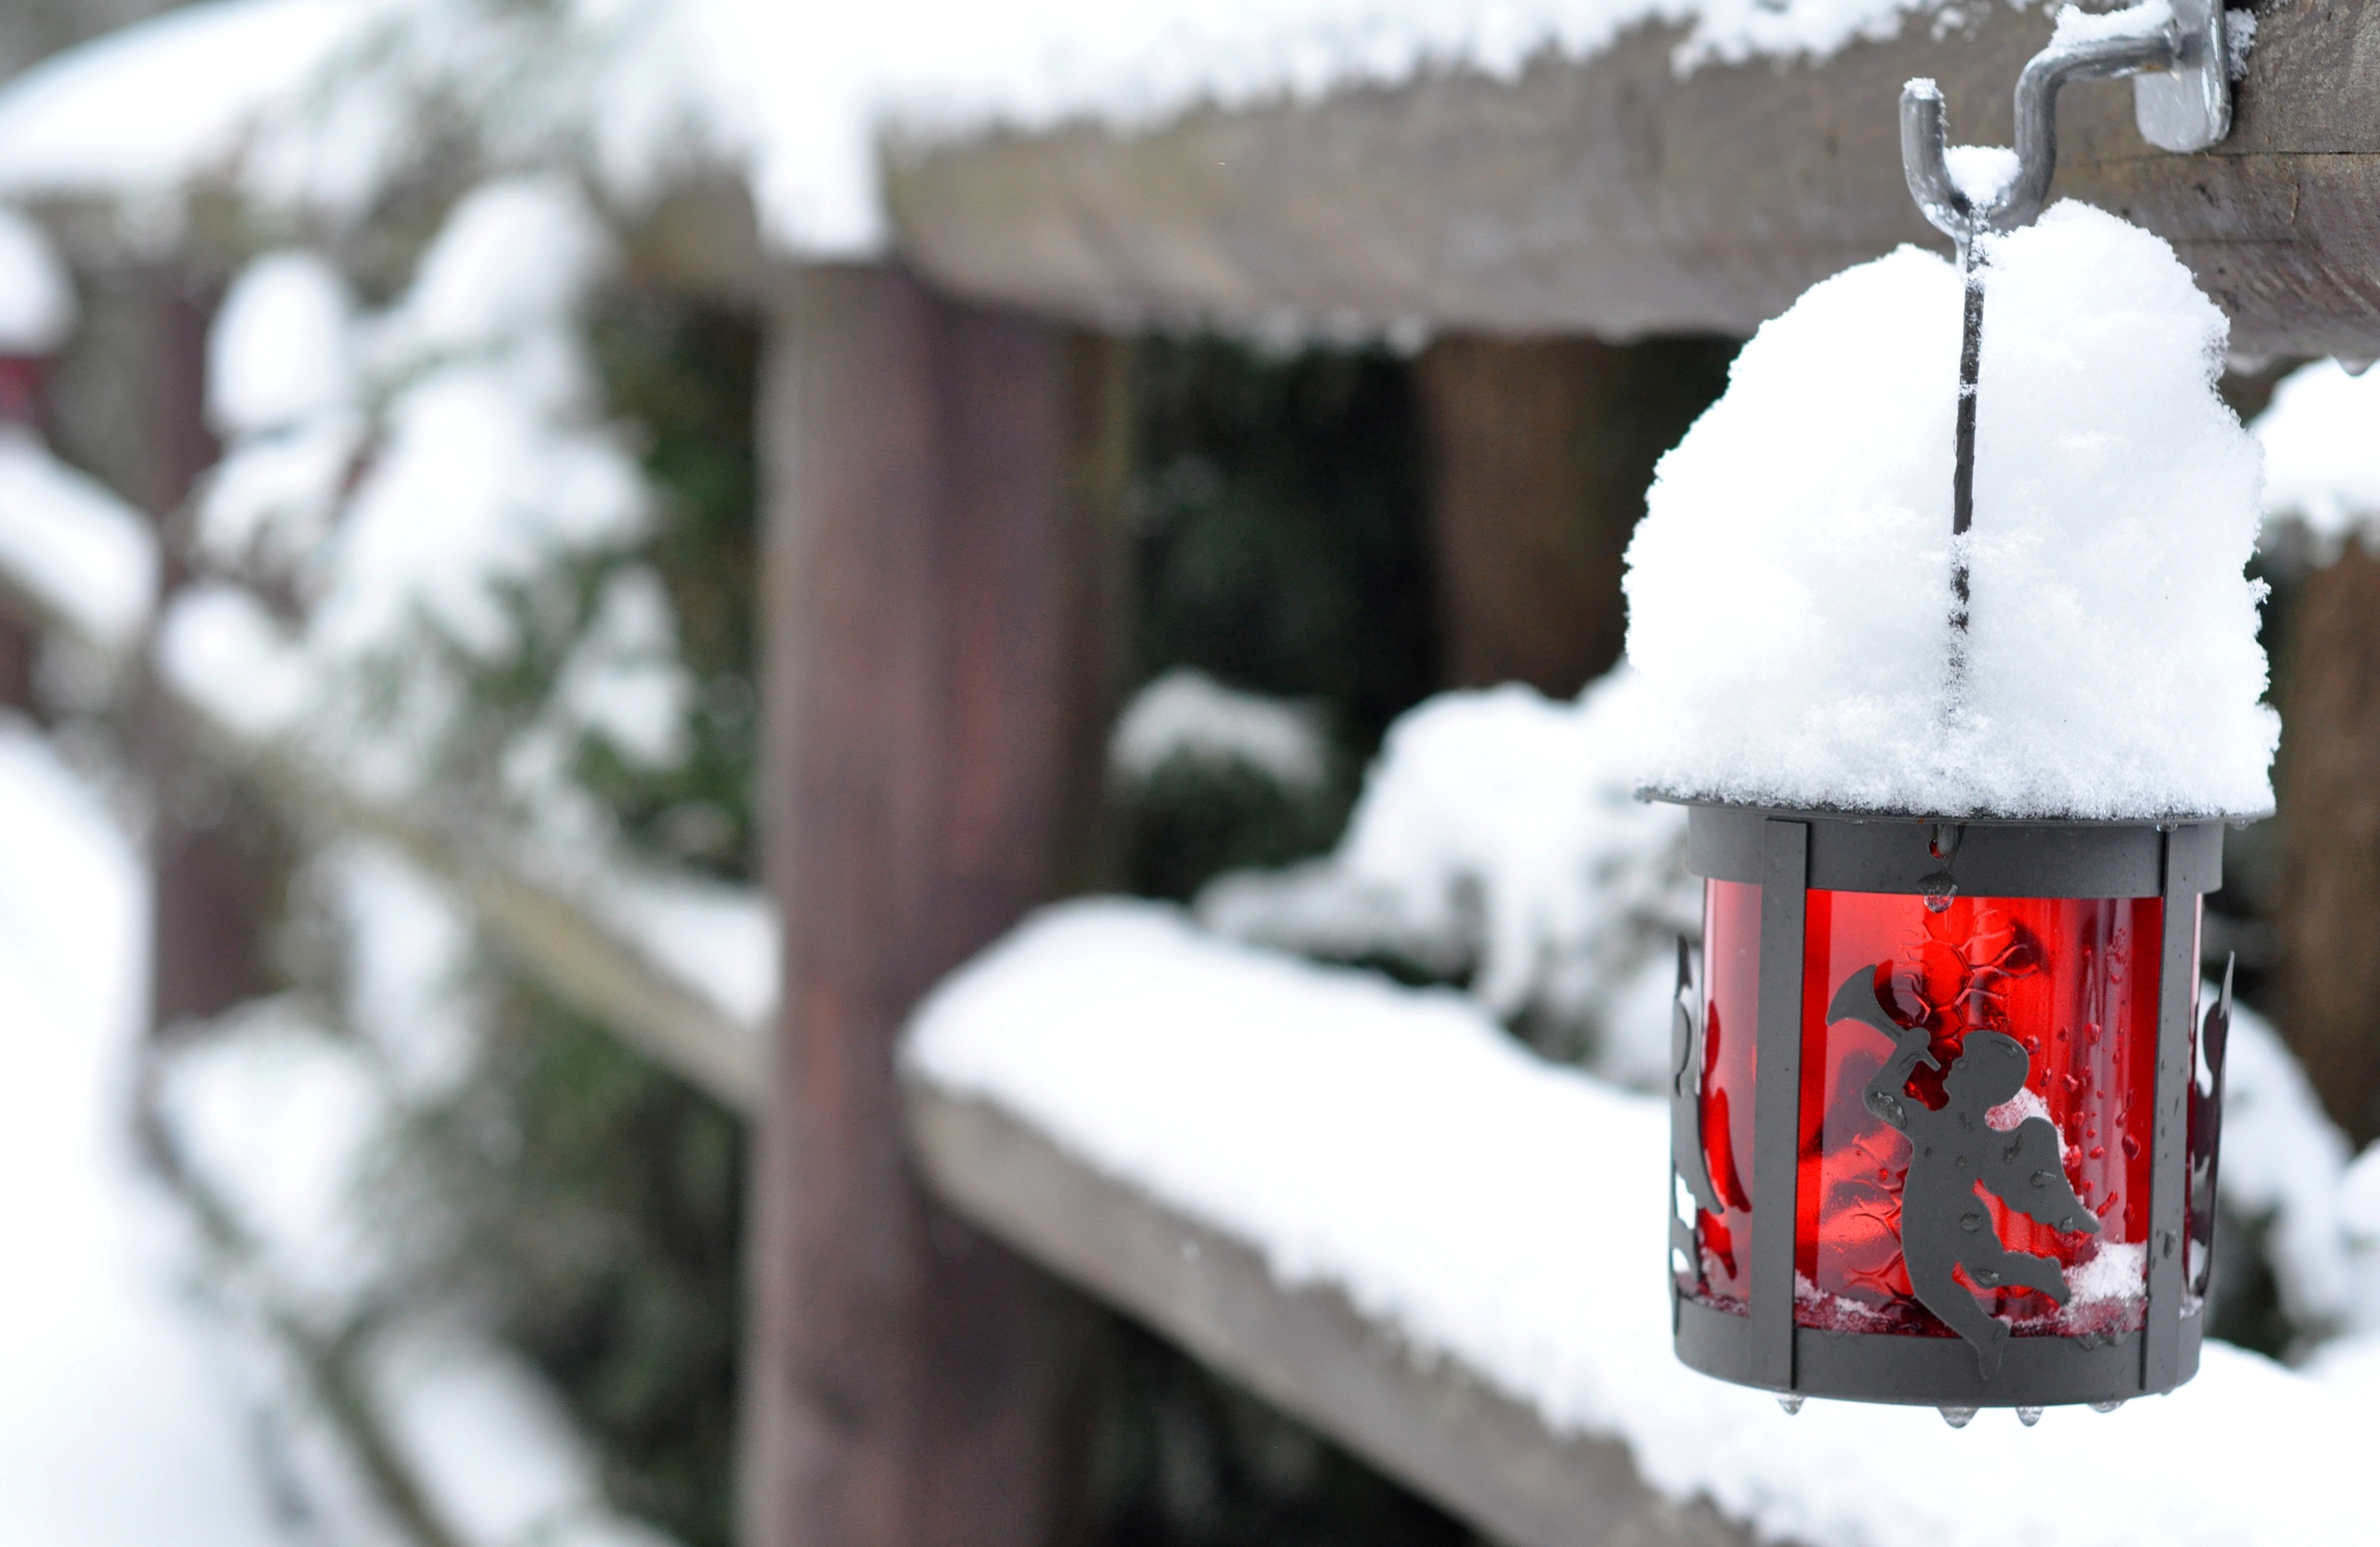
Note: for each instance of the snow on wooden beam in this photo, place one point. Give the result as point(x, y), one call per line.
point(1616, 197)
point(1435, 1426)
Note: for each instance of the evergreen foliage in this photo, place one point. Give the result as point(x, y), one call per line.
point(590, 1198)
point(1278, 545)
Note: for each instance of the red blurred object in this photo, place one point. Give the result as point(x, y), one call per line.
point(20, 388)
point(2074, 982)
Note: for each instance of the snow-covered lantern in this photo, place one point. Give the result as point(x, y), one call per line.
point(1945, 1109)
point(36, 313)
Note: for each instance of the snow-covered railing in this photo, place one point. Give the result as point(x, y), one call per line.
point(1372, 1206)
point(1224, 1178)
point(1308, 1349)
point(611, 964)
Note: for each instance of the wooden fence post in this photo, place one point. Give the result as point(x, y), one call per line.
point(215, 854)
point(938, 589)
point(1541, 451)
point(2329, 786)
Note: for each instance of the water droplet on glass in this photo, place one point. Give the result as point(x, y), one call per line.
point(2028, 1416)
point(1792, 1404)
point(2098, 1151)
point(2107, 1406)
point(1957, 1417)
point(2132, 1148)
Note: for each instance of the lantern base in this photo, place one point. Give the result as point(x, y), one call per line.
point(1933, 1371)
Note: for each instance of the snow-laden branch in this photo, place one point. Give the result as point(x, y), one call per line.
point(596, 964)
point(610, 963)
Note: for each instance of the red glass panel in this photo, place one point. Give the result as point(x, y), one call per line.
point(1731, 1007)
point(2074, 982)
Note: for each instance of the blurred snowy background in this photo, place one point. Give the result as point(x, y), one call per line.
point(380, 953)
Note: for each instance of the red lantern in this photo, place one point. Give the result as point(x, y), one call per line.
point(1960, 1055)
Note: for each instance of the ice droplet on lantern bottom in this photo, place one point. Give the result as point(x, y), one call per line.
point(1957, 1417)
point(2028, 1416)
point(1792, 1404)
point(2109, 1406)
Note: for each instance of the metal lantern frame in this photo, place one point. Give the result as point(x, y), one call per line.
point(1790, 854)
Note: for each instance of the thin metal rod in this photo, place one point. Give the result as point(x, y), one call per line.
point(1963, 475)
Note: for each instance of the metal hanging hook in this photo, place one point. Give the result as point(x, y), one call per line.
point(2182, 102)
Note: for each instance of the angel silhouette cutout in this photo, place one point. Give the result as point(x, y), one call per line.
point(1944, 1224)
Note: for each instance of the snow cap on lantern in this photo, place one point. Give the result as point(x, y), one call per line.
point(1789, 594)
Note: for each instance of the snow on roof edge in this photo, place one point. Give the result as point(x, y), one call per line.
point(802, 99)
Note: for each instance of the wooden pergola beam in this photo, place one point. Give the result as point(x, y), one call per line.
point(1617, 198)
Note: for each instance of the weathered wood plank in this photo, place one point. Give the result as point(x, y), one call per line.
point(1540, 454)
point(1478, 1453)
point(1617, 198)
point(2329, 913)
point(938, 655)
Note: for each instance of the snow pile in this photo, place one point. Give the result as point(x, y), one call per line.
point(408, 957)
point(143, 110)
point(76, 552)
point(1789, 589)
point(122, 1372)
point(82, 555)
point(718, 939)
point(278, 1121)
point(2321, 434)
point(415, 500)
point(108, 1374)
point(1498, 834)
point(282, 348)
point(2285, 1165)
point(1188, 715)
point(315, 101)
point(37, 301)
point(1510, 1214)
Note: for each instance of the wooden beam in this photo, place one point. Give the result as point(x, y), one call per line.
point(1541, 451)
point(1615, 197)
point(939, 537)
point(1433, 1426)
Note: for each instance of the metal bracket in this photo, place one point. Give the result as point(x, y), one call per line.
point(2187, 106)
point(2181, 100)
